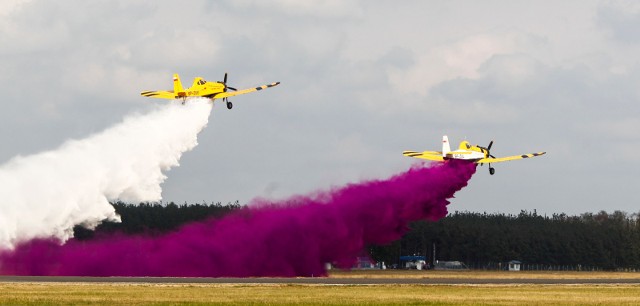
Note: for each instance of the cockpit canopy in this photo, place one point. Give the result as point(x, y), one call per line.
point(201, 82)
point(465, 145)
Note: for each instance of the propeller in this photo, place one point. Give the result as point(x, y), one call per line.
point(225, 99)
point(488, 149)
point(224, 82)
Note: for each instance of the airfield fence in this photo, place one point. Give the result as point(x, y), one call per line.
point(497, 266)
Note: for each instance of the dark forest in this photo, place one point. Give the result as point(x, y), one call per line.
point(604, 240)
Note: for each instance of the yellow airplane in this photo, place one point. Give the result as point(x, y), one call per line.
point(477, 154)
point(202, 88)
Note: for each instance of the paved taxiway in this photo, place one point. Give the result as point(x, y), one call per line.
point(313, 280)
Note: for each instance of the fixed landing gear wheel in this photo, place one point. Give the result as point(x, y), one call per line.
point(492, 171)
point(229, 105)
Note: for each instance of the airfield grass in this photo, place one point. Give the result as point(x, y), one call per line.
point(280, 294)
point(15, 293)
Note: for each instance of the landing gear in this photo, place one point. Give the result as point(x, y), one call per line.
point(229, 104)
point(487, 152)
point(224, 82)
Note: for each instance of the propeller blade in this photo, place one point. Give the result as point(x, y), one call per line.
point(225, 78)
point(229, 87)
point(490, 144)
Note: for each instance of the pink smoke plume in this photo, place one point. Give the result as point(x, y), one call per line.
point(294, 237)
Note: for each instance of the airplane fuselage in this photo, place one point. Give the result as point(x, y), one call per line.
point(465, 151)
point(202, 88)
point(465, 155)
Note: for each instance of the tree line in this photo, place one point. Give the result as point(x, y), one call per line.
point(155, 218)
point(603, 240)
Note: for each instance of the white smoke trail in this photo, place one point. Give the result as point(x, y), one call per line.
point(46, 194)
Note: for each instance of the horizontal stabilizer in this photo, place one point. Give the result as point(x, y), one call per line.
point(429, 155)
point(159, 94)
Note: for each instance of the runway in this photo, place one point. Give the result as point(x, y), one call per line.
point(314, 280)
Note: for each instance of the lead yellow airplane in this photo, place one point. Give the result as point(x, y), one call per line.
point(477, 154)
point(202, 88)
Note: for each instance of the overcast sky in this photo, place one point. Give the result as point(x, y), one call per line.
point(362, 81)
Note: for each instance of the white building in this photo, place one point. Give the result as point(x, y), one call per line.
point(514, 265)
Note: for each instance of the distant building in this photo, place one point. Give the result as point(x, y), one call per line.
point(514, 265)
point(413, 262)
point(450, 265)
point(364, 263)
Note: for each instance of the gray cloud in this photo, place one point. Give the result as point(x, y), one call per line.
point(621, 20)
point(361, 82)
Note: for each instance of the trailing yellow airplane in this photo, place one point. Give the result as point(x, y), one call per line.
point(477, 154)
point(202, 88)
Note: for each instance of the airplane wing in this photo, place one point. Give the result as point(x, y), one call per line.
point(430, 155)
point(241, 92)
point(159, 94)
point(508, 158)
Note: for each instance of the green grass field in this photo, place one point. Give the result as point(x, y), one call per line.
point(288, 294)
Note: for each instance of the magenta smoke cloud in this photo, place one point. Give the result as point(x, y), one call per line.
point(293, 237)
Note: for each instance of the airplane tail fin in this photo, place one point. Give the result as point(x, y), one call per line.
point(177, 86)
point(446, 148)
